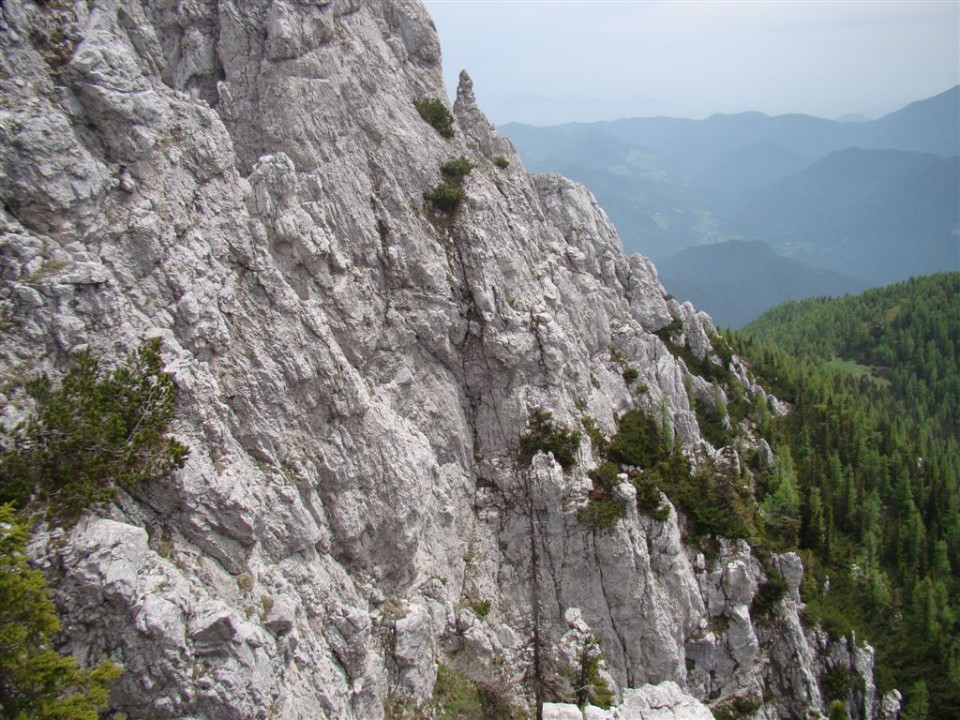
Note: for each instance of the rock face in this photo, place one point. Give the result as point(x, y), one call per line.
point(665, 701)
point(355, 371)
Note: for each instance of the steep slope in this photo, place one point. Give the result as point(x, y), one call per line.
point(885, 367)
point(881, 215)
point(645, 193)
point(737, 280)
point(358, 372)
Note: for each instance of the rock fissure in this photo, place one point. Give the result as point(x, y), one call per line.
point(628, 664)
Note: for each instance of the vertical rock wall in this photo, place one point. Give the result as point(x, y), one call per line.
point(245, 180)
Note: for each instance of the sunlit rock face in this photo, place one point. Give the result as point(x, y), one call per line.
point(355, 371)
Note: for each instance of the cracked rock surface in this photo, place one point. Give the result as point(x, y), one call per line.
point(355, 369)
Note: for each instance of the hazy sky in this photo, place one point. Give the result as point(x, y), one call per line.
point(552, 61)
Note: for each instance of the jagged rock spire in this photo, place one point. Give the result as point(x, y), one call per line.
point(474, 123)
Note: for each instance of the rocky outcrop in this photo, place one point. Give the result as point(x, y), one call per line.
point(665, 701)
point(355, 370)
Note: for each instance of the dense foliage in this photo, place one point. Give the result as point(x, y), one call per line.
point(868, 480)
point(36, 682)
point(712, 496)
point(906, 334)
point(94, 433)
point(447, 196)
point(544, 434)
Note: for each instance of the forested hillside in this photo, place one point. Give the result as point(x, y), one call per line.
point(867, 482)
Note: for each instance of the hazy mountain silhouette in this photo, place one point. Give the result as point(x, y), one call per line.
point(794, 181)
point(926, 126)
point(738, 280)
point(882, 214)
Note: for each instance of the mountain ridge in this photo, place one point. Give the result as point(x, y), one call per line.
point(413, 380)
point(712, 169)
point(737, 280)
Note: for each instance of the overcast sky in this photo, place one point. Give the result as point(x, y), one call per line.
point(552, 61)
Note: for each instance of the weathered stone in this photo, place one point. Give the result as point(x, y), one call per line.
point(355, 371)
point(281, 617)
point(561, 711)
point(890, 706)
point(665, 701)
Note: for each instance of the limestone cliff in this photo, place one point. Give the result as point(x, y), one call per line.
point(355, 370)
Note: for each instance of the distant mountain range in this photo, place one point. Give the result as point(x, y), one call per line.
point(738, 279)
point(876, 201)
point(882, 215)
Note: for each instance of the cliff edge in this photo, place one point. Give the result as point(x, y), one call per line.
point(360, 368)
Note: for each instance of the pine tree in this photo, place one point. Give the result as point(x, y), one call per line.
point(36, 682)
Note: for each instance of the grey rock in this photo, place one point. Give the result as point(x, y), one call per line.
point(281, 616)
point(665, 701)
point(355, 371)
point(890, 705)
point(561, 711)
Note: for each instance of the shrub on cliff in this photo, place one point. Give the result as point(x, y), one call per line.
point(36, 681)
point(544, 434)
point(93, 433)
point(454, 171)
point(435, 112)
point(444, 197)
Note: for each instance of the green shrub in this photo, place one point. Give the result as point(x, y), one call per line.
point(35, 680)
point(838, 682)
point(704, 367)
point(717, 503)
point(591, 686)
point(435, 112)
point(481, 608)
point(630, 374)
point(638, 442)
point(616, 356)
point(94, 433)
point(455, 170)
point(838, 711)
point(666, 332)
point(602, 512)
point(603, 509)
point(736, 708)
point(457, 697)
point(768, 596)
point(545, 435)
point(444, 197)
point(830, 613)
point(711, 419)
point(501, 162)
point(649, 499)
point(714, 501)
point(597, 438)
